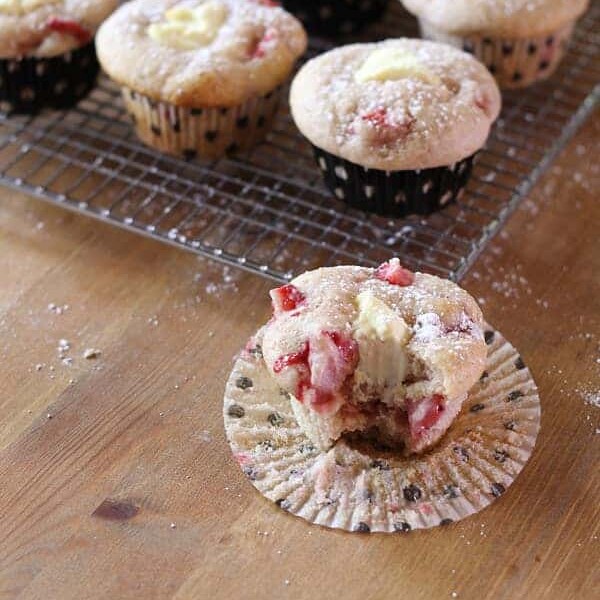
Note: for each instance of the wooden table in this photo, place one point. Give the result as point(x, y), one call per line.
point(115, 477)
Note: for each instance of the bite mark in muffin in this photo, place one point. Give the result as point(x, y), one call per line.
point(375, 352)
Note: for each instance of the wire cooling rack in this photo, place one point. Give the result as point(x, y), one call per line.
point(268, 211)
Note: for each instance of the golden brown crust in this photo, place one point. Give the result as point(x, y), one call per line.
point(220, 74)
point(507, 18)
point(26, 34)
point(406, 123)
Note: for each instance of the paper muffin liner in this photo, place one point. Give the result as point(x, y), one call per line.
point(363, 489)
point(394, 193)
point(208, 133)
point(30, 84)
point(514, 62)
point(336, 17)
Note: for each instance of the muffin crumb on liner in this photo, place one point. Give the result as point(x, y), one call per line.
point(207, 133)
point(362, 489)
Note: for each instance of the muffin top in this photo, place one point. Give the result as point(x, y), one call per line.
point(45, 28)
point(506, 18)
point(200, 53)
point(327, 323)
point(396, 105)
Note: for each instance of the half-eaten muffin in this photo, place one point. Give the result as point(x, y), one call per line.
point(385, 352)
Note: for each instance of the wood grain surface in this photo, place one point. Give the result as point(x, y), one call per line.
point(115, 477)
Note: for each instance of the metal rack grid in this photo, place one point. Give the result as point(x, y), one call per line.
point(268, 211)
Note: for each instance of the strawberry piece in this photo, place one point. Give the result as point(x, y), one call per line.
point(423, 415)
point(69, 27)
point(261, 47)
point(270, 3)
point(333, 358)
point(377, 117)
point(482, 101)
point(286, 298)
point(394, 273)
point(293, 359)
point(346, 346)
point(388, 129)
point(322, 366)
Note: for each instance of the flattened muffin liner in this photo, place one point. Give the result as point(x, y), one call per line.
point(514, 62)
point(336, 17)
point(30, 84)
point(207, 133)
point(394, 193)
point(368, 490)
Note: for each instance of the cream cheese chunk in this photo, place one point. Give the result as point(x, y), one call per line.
point(382, 336)
point(377, 320)
point(190, 28)
point(392, 64)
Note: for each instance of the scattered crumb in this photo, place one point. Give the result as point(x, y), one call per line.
point(590, 398)
point(90, 353)
point(173, 526)
point(56, 309)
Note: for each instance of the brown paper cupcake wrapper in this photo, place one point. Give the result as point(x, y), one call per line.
point(513, 62)
point(362, 489)
point(208, 133)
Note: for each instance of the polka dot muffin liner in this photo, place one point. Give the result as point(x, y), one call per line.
point(336, 17)
point(207, 133)
point(365, 489)
point(30, 84)
point(514, 63)
point(394, 193)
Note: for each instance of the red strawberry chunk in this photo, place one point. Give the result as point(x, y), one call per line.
point(69, 27)
point(261, 47)
point(346, 346)
point(424, 414)
point(388, 129)
point(286, 298)
point(293, 359)
point(377, 117)
point(394, 273)
point(482, 101)
point(322, 366)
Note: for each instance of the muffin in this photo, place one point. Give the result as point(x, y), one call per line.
point(201, 78)
point(385, 353)
point(520, 41)
point(395, 125)
point(336, 17)
point(47, 56)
